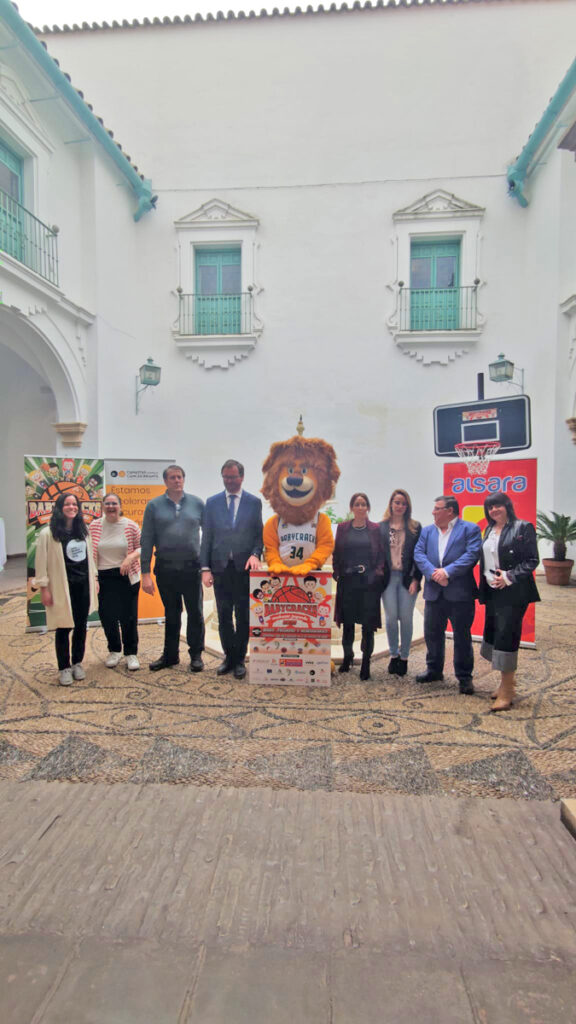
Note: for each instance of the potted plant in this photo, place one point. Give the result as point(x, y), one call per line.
point(559, 530)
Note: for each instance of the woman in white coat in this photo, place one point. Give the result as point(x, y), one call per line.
point(66, 576)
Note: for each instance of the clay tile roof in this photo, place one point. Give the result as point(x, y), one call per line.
point(314, 10)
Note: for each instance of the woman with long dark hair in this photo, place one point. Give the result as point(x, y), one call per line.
point(401, 577)
point(358, 564)
point(66, 576)
point(116, 546)
point(507, 562)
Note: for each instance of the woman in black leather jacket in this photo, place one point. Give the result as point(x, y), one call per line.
point(507, 562)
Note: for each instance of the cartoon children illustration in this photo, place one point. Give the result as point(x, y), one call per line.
point(309, 585)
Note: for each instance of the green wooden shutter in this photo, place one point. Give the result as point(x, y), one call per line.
point(218, 291)
point(11, 227)
point(434, 285)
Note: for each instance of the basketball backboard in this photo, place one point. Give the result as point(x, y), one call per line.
point(506, 420)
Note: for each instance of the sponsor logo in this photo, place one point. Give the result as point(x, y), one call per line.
point(489, 484)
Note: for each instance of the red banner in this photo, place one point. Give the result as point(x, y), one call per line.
point(517, 479)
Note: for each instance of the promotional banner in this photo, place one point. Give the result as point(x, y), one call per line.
point(515, 477)
point(136, 482)
point(290, 623)
point(46, 477)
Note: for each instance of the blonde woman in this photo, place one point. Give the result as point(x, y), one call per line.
point(116, 545)
point(402, 577)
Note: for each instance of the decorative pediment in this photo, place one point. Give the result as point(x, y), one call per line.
point(215, 213)
point(438, 205)
point(17, 100)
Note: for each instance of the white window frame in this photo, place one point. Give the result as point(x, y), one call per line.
point(435, 217)
point(216, 224)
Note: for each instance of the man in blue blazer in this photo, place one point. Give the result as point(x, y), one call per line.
point(446, 554)
point(231, 546)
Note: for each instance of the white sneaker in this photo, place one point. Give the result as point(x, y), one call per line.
point(132, 663)
point(113, 659)
point(78, 672)
point(65, 677)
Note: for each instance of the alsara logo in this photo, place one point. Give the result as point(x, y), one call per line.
point(490, 484)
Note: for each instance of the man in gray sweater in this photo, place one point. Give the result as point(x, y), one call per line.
point(171, 529)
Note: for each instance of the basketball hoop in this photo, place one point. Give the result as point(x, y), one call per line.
point(477, 454)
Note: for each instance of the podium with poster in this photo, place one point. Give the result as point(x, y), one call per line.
point(290, 623)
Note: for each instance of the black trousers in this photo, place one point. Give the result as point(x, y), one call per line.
point(80, 601)
point(461, 615)
point(177, 584)
point(118, 610)
point(232, 593)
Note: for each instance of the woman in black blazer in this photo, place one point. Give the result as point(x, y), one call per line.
point(358, 565)
point(401, 577)
point(507, 562)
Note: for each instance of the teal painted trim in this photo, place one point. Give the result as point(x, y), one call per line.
point(141, 188)
point(520, 170)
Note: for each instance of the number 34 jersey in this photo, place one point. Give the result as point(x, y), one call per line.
point(296, 543)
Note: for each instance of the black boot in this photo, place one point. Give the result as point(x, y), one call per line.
point(393, 666)
point(402, 667)
point(348, 648)
point(367, 648)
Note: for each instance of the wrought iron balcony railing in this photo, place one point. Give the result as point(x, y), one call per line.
point(215, 314)
point(438, 309)
point(27, 239)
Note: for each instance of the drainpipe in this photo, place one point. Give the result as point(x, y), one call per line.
point(519, 171)
point(142, 188)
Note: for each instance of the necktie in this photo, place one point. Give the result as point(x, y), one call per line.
point(231, 510)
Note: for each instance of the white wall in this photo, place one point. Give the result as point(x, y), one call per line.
point(322, 127)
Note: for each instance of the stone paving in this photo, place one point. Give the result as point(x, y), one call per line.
point(164, 904)
point(317, 867)
point(387, 735)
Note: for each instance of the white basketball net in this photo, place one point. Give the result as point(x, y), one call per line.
point(477, 455)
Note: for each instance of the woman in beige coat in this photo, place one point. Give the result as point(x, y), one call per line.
point(66, 576)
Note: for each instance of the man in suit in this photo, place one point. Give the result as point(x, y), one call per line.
point(231, 546)
point(446, 554)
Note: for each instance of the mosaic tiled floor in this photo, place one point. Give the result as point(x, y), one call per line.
point(387, 735)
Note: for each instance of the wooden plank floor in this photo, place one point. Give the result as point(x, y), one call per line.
point(203, 905)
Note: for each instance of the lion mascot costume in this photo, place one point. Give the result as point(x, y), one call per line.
point(299, 476)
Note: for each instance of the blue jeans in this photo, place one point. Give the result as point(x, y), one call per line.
point(398, 607)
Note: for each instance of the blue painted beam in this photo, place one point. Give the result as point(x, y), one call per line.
point(142, 188)
point(519, 171)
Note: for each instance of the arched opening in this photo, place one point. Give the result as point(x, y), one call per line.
point(35, 393)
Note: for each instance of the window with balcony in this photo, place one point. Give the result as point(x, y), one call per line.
point(217, 306)
point(217, 319)
point(22, 235)
point(436, 300)
point(437, 250)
